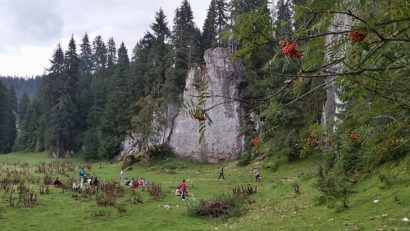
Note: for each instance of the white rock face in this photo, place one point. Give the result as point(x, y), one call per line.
point(222, 139)
point(341, 22)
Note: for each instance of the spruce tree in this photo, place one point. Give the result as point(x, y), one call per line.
point(158, 52)
point(22, 107)
point(4, 110)
point(86, 56)
point(99, 54)
point(29, 137)
point(239, 7)
point(117, 113)
point(7, 118)
point(141, 64)
point(186, 47)
point(283, 19)
point(85, 97)
point(215, 24)
point(60, 116)
point(112, 54)
point(208, 38)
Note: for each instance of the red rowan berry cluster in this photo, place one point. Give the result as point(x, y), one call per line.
point(357, 36)
point(353, 137)
point(289, 49)
point(255, 141)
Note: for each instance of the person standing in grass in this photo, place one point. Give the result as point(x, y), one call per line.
point(257, 175)
point(82, 174)
point(122, 175)
point(221, 174)
point(183, 189)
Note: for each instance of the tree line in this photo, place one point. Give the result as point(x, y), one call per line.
point(88, 97)
point(21, 85)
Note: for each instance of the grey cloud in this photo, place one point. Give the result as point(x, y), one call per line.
point(34, 23)
point(44, 23)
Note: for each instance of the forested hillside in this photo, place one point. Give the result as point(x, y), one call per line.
point(297, 56)
point(28, 86)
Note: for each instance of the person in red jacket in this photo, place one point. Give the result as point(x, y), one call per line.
point(182, 189)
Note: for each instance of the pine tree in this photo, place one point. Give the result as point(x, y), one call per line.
point(160, 27)
point(99, 54)
point(159, 50)
point(283, 22)
point(85, 97)
point(208, 38)
point(7, 118)
point(22, 107)
point(29, 137)
point(186, 47)
point(12, 130)
point(239, 7)
point(141, 64)
point(60, 114)
point(215, 23)
point(86, 56)
point(117, 111)
point(112, 54)
point(4, 110)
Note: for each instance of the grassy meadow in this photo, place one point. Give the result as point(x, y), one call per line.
point(380, 201)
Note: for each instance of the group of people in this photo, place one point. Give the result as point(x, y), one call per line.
point(181, 190)
point(93, 181)
point(132, 183)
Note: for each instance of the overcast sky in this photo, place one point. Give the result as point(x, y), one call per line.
point(31, 29)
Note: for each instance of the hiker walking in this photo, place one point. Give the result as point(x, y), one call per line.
point(257, 175)
point(221, 174)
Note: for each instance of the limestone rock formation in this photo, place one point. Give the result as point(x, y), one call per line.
point(222, 139)
point(340, 23)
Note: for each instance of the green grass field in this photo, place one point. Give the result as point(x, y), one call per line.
point(276, 206)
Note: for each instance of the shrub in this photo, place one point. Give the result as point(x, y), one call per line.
point(244, 192)
point(105, 200)
point(155, 191)
point(224, 206)
point(136, 197)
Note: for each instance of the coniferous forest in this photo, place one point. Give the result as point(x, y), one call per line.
point(296, 56)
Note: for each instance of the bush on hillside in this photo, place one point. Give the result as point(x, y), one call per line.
point(155, 191)
point(223, 206)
